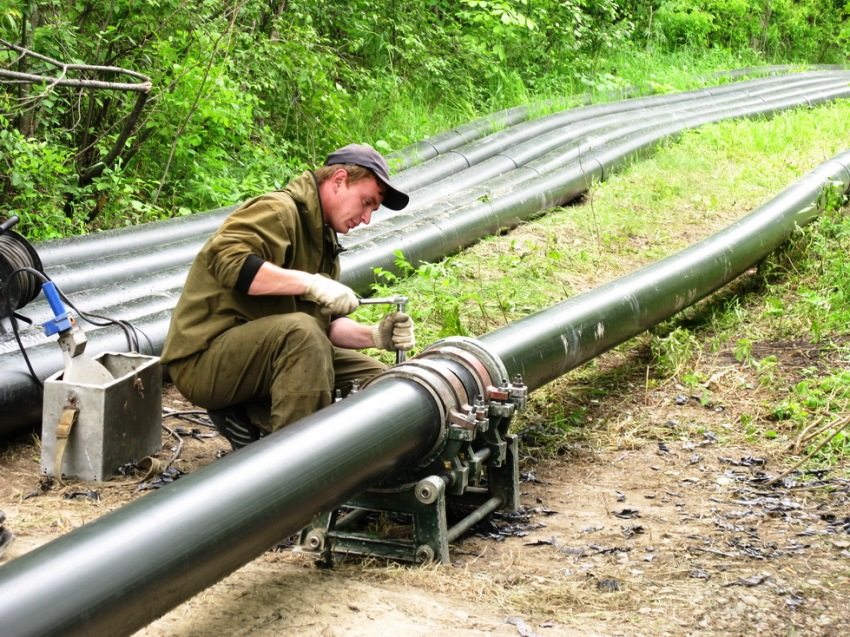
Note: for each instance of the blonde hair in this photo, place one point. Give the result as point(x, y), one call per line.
point(355, 173)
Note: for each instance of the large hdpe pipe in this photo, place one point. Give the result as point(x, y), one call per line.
point(74, 268)
point(120, 572)
point(470, 145)
point(425, 239)
point(432, 233)
point(109, 257)
point(546, 345)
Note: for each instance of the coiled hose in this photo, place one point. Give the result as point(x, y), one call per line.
point(17, 286)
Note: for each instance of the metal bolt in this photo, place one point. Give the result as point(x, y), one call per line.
point(429, 489)
point(316, 539)
point(424, 554)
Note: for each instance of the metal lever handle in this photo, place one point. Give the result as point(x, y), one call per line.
point(8, 224)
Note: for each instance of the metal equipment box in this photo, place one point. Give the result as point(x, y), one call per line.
point(116, 423)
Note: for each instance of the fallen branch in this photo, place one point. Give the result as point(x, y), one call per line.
point(839, 424)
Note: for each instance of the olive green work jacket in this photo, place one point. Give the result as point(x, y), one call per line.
point(284, 227)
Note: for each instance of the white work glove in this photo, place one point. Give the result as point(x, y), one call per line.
point(338, 298)
point(394, 332)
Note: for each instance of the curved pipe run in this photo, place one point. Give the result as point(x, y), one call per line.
point(544, 346)
point(107, 577)
point(593, 141)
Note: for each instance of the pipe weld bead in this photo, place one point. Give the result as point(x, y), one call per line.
point(451, 380)
point(479, 372)
point(492, 363)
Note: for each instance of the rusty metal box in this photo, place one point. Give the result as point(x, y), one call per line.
point(117, 423)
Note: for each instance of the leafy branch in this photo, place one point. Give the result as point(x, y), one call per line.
point(63, 70)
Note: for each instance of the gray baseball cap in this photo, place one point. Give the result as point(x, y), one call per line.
point(368, 157)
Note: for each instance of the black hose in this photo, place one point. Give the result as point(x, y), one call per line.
point(16, 254)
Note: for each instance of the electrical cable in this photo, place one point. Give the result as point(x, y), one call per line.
point(18, 257)
point(11, 312)
point(131, 333)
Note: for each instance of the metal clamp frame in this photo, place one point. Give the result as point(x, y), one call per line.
point(492, 363)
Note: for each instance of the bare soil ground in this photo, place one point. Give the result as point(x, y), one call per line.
point(669, 527)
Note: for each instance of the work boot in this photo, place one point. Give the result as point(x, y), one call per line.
point(233, 423)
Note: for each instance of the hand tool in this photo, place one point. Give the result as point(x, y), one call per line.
point(399, 301)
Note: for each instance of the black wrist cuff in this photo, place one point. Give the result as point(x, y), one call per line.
point(249, 270)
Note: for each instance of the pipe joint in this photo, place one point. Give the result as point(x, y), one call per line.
point(483, 363)
point(474, 397)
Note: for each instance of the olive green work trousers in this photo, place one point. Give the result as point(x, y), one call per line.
point(280, 368)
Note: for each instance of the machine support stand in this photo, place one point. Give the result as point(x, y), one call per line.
point(424, 506)
point(472, 469)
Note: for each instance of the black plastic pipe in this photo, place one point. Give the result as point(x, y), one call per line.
point(431, 233)
point(74, 266)
point(546, 345)
point(427, 238)
point(200, 226)
point(116, 574)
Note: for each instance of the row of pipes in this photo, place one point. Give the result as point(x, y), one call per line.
point(465, 184)
point(120, 572)
point(116, 574)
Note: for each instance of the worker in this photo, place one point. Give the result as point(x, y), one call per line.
point(260, 336)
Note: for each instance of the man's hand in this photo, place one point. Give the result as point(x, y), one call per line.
point(338, 298)
point(394, 332)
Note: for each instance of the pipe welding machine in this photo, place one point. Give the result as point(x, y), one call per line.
point(472, 468)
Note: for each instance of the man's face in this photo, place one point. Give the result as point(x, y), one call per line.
point(347, 204)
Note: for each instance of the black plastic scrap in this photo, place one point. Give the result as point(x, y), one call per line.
point(504, 524)
point(632, 530)
point(90, 494)
point(550, 541)
point(794, 600)
point(746, 461)
point(838, 523)
point(627, 514)
point(195, 433)
point(6, 536)
point(166, 477)
point(528, 476)
point(608, 585)
point(764, 551)
point(755, 580)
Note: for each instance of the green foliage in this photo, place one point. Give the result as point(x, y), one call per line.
point(820, 395)
point(674, 352)
point(815, 30)
point(437, 303)
point(35, 173)
point(246, 94)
